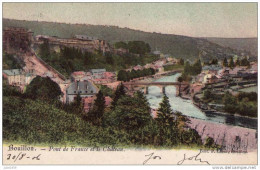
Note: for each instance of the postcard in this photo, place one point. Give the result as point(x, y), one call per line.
point(129, 83)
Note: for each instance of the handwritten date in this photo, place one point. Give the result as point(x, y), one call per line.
point(21, 156)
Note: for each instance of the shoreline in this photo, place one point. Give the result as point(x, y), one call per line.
point(214, 112)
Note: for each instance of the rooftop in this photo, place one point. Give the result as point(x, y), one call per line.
point(97, 70)
point(13, 72)
point(82, 87)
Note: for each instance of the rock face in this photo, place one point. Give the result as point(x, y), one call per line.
point(233, 138)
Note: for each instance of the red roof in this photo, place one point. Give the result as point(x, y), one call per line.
point(79, 73)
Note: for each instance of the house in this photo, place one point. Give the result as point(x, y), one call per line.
point(223, 72)
point(14, 76)
point(211, 69)
point(210, 78)
point(195, 88)
point(159, 63)
point(18, 77)
point(88, 103)
point(83, 88)
point(102, 81)
point(157, 53)
point(97, 73)
point(28, 78)
point(147, 65)
point(200, 78)
point(138, 67)
point(253, 68)
point(109, 75)
point(79, 76)
point(121, 51)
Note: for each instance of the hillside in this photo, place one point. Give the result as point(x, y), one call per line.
point(244, 44)
point(176, 45)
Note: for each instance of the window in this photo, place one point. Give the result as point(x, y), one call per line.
point(86, 91)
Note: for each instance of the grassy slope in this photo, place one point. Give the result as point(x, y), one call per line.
point(36, 122)
point(178, 46)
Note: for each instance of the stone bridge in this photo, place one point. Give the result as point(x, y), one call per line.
point(161, 85)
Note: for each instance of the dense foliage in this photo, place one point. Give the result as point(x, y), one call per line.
point(12, 62)
point(106, 90)
point(135, 47)
point(129, 75)
point(43, 88)
point(96, 114)
point(128, 123)
point(244, 104)
point(70, 59)
point(191, 70)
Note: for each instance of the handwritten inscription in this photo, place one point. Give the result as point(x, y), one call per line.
point(21, 156)
point(195, 158)
point(151, 156)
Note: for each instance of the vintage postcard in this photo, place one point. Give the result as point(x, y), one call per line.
point(130, 83)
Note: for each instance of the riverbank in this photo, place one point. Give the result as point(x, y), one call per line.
point(188, 108)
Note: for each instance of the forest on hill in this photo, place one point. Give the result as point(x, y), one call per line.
point(176, 45)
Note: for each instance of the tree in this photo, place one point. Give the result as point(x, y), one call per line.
point(191, 136)
point(181, 61)
point(130, 113)
point(43, 88)
point(207, 94)
point(121, 44)
point(187, 67)
point(120, 91)
point(138, 47)
point(180, 80)
point(237, 62)
point(142, 100)
point(245, 62)
point(210, 143)
point(231, 63)
point(96, 114)
point(45, 50)
point(196, 68)
point(214, 61)
point(225, 62)
point(109, 58)
point(230, 103)
point(167, 124)
point(165, 113)
point(122, 75)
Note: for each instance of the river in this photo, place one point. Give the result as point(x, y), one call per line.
point(188, 108)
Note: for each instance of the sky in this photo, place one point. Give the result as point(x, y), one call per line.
point(230, 20)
